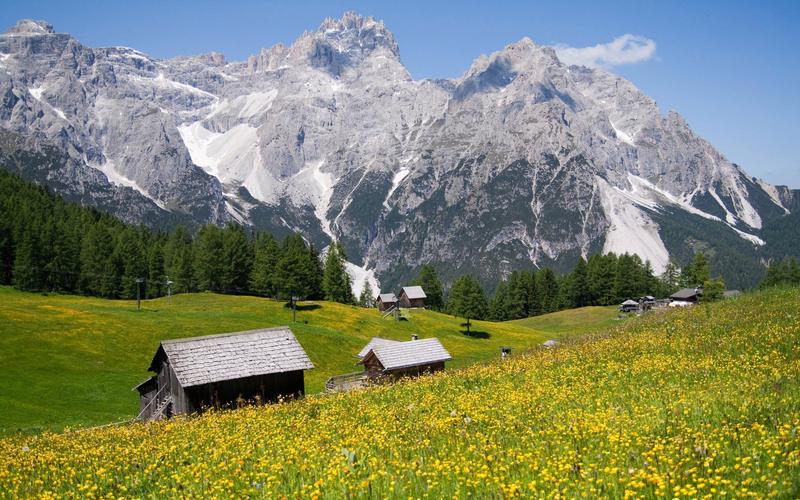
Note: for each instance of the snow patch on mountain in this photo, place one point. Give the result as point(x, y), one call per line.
point(630, 229)
point(37, 93)
point(357, 276)
point(749, 237)
point(245, 106)
point(396, 180)
point(232, 157)
point(322, 201)
point(772, 191)
point(621, 135)
point(116, 178)
point(729, 217)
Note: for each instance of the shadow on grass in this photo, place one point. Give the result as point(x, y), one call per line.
point(303, 307)
point(475, 334)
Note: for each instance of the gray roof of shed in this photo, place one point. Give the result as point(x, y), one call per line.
point(411, 353)
point(414, 292)
point(387, 297)
point(376, 342)
point(630, 302)
point(685, 293)
point(229, 356)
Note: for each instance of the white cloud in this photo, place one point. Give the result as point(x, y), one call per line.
point(625, 49)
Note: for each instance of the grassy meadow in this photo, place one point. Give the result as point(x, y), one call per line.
point(72, 361)
point(697, 403)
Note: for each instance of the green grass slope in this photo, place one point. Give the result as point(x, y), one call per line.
point(71, 360)
point(572, 321)
point(695, 403)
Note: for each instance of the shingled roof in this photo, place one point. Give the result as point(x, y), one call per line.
point(412, 353)
point(685, 293)
point(387, 298)
point(214, 358)
point(414, 292)
point(376, 342)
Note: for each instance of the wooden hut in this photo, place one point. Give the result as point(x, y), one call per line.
point(412, 296)
point(687, 295)
point(219, 370)
point(388, 358)
point(629, 306)
point(386, 301)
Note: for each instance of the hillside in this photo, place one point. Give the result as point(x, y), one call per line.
point(700, 402)
point(71, 360)
point(581, 320)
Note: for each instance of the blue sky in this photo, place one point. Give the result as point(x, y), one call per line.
point(730, 67)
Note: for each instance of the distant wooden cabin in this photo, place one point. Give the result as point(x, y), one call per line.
point(391, 358)
point(412, 297)
point(689, 295)
point(219, 370)
point(386, 301)
point(629, 306)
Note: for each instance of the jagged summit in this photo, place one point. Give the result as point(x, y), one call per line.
point(30, 27)
point(354, 32)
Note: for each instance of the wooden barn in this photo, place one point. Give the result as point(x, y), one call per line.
point(219, 370)
point(412, 297)
point(629, 306)
point(390, 358)
point(386, 301)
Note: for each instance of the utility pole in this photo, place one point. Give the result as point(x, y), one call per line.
point(169, 289)
point(139, 282)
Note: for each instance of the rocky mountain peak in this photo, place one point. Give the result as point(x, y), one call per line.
point(356, 33)
point(30, 27)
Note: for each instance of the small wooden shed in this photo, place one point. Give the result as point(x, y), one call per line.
point(629, 306)
point(386, 301)
point(389, 358)
point(412, 297)
point(219, 370)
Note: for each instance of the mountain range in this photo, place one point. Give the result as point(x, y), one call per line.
point(521, 161)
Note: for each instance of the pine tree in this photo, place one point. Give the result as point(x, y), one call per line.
point(701, 268)
point(314, 272)
point(96, 249)
point(209, 258)
point(295, 268)
point(263, 275)
point(671, 277)
point(467, 300)
point(237, 260)
point(134, 265)
point(697, 272)
point(428, 279)
point(367, 297)
point(335, 280)
point(793, 271)
point(498, 307)
point(517, 296)
point(6, 248)
point(27, 271)
point(712, 290)
point(580, 284)
point(548, 290)
point(156, 278)
point(179, 260)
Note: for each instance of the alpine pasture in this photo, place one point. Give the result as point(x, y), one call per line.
point(690, 403)
point(72, 361)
